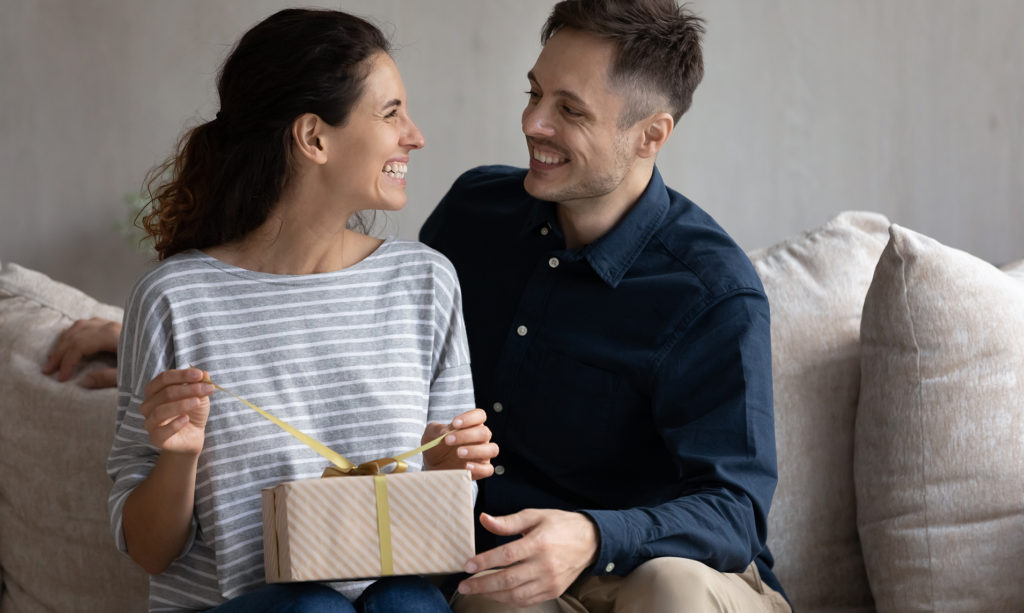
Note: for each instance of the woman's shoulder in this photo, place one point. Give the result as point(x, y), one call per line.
point(169, 274)
point(414, 253)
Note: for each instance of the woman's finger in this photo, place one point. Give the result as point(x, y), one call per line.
point(469, 419)
point(469, 436)
point(478, 453)
point(170, 378)
point(162, 414)
point(174, 394)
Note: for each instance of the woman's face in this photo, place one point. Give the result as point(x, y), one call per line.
point(370, 152)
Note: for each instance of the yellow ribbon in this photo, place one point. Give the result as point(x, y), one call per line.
point(343, 466)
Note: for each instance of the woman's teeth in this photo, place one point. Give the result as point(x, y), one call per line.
point(545, 158)
point(396, 170)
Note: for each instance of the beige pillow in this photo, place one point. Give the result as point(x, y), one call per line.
point(816, 285)
point(939, 461)
point(56, 551)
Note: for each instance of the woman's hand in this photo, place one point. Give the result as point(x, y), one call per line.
point(176, 409)
point(85, 337)
point(468, 445)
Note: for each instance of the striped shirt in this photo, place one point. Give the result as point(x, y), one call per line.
point(360, 359)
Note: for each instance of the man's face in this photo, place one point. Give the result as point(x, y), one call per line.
point(577, 150)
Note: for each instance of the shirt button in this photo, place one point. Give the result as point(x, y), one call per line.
point(521, 330)
point(553, 262)
point(499, 470)
point(609, 567)
point(544, 231)
point(498, 408)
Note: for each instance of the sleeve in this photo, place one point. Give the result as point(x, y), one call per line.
point(145, 349)
point(451, 385)
point(712, 404)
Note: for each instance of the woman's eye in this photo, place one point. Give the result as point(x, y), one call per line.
point(532, 94)
point(392, 114)
point(570, 112)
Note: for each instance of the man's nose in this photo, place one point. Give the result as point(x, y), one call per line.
point(537, 122)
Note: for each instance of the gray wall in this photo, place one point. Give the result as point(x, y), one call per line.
point(908, 107)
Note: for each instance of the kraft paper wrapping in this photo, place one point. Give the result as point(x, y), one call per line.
point(327, 529)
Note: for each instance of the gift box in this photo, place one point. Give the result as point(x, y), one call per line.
point(352, 527)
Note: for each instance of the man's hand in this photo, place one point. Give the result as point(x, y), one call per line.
point(85, 337)
point(556, 547)
point(468, 445)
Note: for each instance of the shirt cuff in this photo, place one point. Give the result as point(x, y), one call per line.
point(618, 544)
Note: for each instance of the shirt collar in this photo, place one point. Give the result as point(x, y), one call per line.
point(542, 215)
point(612, 255)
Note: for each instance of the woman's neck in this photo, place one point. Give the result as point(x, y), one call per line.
point(299, 237)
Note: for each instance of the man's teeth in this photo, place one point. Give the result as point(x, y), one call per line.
point(545, 158)
point(396, 170)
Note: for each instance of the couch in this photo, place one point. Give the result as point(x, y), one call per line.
point(899, 377)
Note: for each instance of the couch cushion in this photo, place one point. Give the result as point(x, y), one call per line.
point(939, 461)
point(816, 285)
point(56, 551)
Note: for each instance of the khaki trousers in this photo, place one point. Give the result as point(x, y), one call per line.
point(661, 585)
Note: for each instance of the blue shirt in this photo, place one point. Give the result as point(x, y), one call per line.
point(629, 379)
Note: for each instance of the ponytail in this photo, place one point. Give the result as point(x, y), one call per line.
point(219, 190)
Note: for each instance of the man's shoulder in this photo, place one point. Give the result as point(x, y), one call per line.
point(482, 201)
point(705, 249)
point(493, 184)
point(493, 175)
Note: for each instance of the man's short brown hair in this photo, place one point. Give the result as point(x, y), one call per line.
point(658, 62)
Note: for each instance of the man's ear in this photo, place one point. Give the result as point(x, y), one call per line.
point(657, 129)
point(309, 139)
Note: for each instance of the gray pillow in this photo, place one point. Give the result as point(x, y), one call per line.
point(939, 462)
point(816, 285)
point(56, 550)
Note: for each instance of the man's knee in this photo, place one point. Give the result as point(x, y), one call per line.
point(670, 584)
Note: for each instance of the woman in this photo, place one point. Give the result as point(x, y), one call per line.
point(266, 290)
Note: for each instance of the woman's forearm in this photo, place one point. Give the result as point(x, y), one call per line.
point(157, 516)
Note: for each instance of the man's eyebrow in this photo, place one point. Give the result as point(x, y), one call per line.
point(391, 103)
point(561, 92)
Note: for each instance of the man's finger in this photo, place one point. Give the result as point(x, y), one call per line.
point(496, 581)
point(507, 525)
point(68, 361)
point(509, 554)
point(99, 379)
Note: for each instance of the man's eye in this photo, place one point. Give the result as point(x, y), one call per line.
point(571, 112)
point(392, 114)
point(532, 94)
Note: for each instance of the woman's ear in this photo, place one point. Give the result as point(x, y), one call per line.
point(308, 136)
point(657, 129)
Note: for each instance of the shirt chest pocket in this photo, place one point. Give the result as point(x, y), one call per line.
point(594, 415)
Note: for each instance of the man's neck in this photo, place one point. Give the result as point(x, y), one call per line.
point(587, 219)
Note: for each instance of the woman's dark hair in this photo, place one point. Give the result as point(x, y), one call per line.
point(228, 173)
point(658, 43)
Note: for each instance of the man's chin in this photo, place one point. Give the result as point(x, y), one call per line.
point(539, 188)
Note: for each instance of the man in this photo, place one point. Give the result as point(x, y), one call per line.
point(619, 339)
